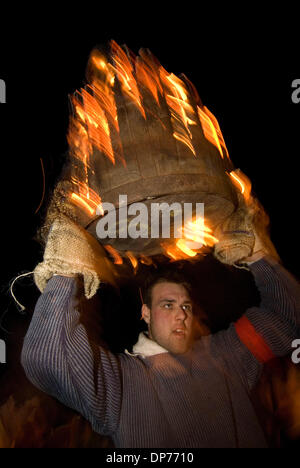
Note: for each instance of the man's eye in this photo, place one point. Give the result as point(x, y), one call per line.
point(187, 308)
point(167, 306)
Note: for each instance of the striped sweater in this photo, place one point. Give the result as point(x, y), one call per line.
point(151, 398)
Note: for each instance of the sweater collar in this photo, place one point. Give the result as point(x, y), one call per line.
point(146, 347)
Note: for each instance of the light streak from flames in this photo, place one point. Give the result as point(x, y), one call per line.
point(146, 260)
point(174, 252)
point(182, 113)
point(209, 130)
point(132, 259)
point(81, 149)
point(195, 231)
point(170, 253)
point(114, 253)
point(181, 244)
point(242, 183)
point(100, 62)
point(79, 201)
point(86, 198)
point(124, 71)
point(92, 114)
point(78, 137)
point(107, 102)
point(218, 130)
point(89, 127)
point(148, 78)
point(102, 89)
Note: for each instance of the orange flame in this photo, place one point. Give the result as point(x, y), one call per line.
point(100, 62)
point(242, 183)
point(95, 110)
point(124, 71)
point(175, 253)
point(182, 245)
point(146, 260)
point(87, 199)
point(194, 232)
point(92, 114)
point(218, 131)
point(114, 253)
point(79, 201)
point(148, 78)
point(78, 138)
point(133, 260)
point(197, 232)
point(182, 113)
point(102, 88)
point(209, 130)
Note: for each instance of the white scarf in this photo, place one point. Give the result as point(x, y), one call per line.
point(145, 347)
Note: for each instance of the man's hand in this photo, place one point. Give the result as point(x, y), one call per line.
point(263, 246)
point(71, 251)
point(244, 236)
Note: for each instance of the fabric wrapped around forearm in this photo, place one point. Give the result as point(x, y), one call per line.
point(236, 238)
point(61, 205)
point(244, 233)
point(71, 250)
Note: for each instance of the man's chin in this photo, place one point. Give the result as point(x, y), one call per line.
point(180, 348)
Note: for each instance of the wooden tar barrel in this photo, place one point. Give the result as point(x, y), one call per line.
point(139, 131)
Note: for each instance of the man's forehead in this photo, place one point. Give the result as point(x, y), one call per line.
point(168, 290)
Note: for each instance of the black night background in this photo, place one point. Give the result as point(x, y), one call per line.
point(243, 72)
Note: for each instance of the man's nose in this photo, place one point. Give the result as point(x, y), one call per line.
point(180, 313)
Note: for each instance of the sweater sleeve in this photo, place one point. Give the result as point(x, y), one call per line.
point(263, 332)
point(59, 359)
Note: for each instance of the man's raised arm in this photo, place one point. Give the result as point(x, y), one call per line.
point(57, 355)
point(266, 331)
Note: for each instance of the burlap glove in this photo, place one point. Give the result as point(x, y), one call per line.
point(243, 234)
point(70, 250)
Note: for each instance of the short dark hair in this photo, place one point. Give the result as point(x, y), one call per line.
point(164, 277)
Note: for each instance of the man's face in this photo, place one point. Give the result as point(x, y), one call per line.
point(170, 319)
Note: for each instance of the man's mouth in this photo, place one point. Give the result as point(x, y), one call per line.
point(179, 331)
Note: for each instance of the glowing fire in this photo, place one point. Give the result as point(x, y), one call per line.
point(195, 235)
point(145, 260)
point(197, 232)
point(115, 255)
point(132, 259)
point(92, 116)
point(95, 125)
point(209, 130)
point(86, 198)
point(220, 138)
point(182, 245)
point(124, 71)
point(182, 113)
point(242, 183)
point(147, 74)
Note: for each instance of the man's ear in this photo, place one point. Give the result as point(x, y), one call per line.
point(146, 313)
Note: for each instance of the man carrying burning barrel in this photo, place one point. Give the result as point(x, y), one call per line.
point(174, 390)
